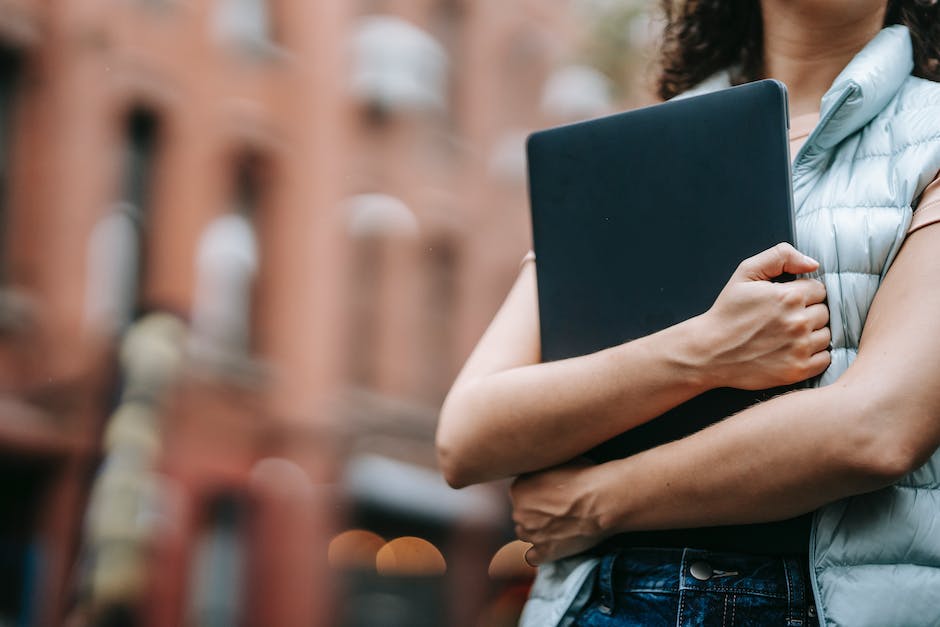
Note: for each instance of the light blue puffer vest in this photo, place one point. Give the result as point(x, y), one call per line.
point(876, 557)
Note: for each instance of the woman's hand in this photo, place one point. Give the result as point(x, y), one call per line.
point(555, 510)
point(761, 334)
point(508, 414)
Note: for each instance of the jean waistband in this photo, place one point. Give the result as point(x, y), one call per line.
point(672, 570)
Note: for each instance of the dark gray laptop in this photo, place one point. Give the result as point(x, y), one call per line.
point(639, 219)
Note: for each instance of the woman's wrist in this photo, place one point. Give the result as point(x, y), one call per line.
point(611, 490)
point(691, 351)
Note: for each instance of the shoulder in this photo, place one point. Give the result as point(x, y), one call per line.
point(910, 120)
point(916, 94)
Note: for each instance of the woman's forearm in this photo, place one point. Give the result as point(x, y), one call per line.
point(773, 461)
point(776, 460)
point(539, 415)
point(508, 414)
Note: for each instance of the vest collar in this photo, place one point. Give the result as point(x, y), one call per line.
point(859, 92)
point(865, 86)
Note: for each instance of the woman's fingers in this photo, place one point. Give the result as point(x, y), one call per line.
point(531, 556)
point(818, 315)
point(819, 340)
point(818, 363)
point(813, 291)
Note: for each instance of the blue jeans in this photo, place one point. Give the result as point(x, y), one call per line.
point(689, 587)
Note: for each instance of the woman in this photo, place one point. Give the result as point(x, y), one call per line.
point(860, 449)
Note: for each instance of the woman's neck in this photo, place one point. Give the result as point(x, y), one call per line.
point(808, 42)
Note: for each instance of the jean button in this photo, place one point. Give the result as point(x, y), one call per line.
point(702, 571)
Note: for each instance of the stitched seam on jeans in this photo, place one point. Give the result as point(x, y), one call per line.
point(682, 563)
point(786, 573)
point(737, 589)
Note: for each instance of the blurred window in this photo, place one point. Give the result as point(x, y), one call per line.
point(372, 221)
point(246, 23)
point(139, 157)
point(218, 570)
point(399, 68)
point(140, 153)
point(113, 251)
point(227, 261)
point(10, 69)
point(117, 248)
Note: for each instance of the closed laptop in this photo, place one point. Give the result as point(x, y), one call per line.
point(639, 220)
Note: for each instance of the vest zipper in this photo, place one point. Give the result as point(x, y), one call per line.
point(801, 156)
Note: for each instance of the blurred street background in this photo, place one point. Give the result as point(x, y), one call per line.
point(245, 246)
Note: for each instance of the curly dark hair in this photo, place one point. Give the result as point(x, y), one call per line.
point(702, 37)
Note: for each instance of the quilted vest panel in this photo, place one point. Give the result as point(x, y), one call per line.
point(875, 557)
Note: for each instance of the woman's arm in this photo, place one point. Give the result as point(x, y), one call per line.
point(507, 414)
point(787, 456)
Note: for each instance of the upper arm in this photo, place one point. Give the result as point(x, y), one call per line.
point(512, 338)
point(898, 363)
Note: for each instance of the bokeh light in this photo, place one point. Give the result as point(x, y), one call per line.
point(410, 556)
point(509, 561)
point(355, 548)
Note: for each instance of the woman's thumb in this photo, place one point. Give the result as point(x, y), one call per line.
point(771, 263)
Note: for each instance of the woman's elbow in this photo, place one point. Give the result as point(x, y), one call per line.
point(454, 457)
point(889, 438)
point(456, 474)
point(907, 450)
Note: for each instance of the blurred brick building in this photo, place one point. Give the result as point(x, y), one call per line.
point(246, 245)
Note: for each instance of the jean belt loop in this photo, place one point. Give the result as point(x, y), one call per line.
point(684, 567)
point(606, 583)
point(796, 599)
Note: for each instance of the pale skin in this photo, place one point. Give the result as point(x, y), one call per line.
point(507, 414)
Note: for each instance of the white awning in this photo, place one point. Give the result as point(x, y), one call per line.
point(576, 92)
point(241, 22)
point(398, 67)
point(380, 215)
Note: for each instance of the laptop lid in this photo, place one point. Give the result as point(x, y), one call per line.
point(639, 220)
